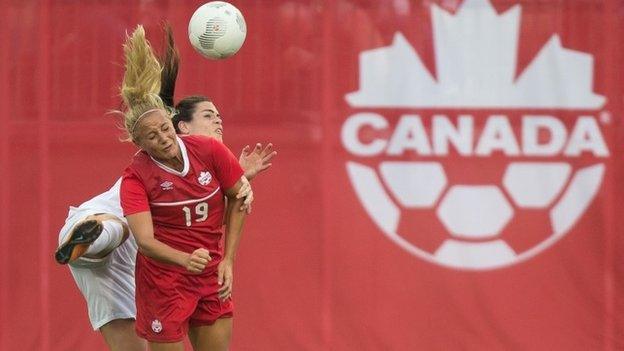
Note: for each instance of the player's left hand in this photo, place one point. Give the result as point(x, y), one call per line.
point(225, 279)
point(257, 160)
point(246, 192)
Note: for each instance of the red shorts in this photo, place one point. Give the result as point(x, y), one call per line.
point(168, 302)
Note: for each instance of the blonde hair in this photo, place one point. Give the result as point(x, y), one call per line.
point(141, 81)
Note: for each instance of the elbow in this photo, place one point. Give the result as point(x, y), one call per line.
point(143, 250)
point(145, 247)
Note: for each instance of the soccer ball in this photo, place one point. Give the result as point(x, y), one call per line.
point(217, 30)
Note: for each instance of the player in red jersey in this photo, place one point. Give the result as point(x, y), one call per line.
point(107, 283)
point(172, 195)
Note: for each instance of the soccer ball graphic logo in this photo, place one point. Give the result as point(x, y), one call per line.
point(475, 216)
point(525, 192)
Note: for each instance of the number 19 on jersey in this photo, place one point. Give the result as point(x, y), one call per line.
point(200, 211)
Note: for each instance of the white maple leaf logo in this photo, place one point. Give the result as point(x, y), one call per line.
point(475, 56)
point(204, 178)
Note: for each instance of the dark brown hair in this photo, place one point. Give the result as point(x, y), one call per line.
point(170, 61)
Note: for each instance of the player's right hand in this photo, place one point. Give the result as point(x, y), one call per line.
point(198, 260)
point(257, 160)
point(246, 192)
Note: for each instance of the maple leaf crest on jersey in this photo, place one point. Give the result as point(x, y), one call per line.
point(204, 178)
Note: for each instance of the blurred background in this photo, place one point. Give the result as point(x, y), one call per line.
point(373, 230)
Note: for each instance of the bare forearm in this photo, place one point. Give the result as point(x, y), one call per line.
point(143, 230)
point(233, 228)
point(159, 251)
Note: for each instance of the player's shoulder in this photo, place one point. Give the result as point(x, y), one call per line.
point(197, 140)
point(139, 161)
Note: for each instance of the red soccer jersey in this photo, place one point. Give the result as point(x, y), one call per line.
point(187, 207)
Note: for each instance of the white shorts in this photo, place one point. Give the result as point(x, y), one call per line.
point(107, 284)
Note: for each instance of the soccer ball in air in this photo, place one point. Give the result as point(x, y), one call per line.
point(217, 30)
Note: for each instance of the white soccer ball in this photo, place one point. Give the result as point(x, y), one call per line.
point(217, 30)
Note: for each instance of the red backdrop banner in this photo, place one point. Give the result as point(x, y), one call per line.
point(448, 175)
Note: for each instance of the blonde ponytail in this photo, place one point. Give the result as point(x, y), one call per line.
point(141, 82)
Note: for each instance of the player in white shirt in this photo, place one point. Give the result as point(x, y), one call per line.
point(95, 240)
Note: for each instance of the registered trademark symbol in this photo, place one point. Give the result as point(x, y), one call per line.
point(605, 117)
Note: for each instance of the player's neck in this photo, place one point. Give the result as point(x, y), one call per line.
point(175, 163)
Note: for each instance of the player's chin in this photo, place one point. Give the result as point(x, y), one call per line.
point(168, 153)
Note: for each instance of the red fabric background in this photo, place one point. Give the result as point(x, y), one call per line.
point(314, 272)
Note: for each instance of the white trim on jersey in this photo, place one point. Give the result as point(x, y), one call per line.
point(184, 158)
point(186, 202)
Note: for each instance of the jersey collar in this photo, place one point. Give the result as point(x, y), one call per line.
point(184, 159)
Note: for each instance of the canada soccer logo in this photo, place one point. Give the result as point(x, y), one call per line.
point(204, 178)
point(480, 168)
point(156, 326)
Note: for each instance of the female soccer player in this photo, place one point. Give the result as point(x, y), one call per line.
point(94, 241)
point(172, 195)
